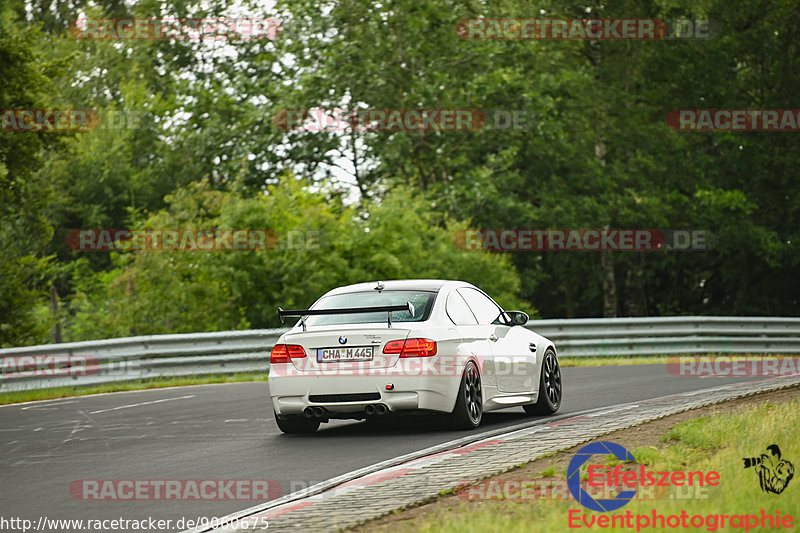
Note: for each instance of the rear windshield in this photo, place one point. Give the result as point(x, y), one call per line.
point(421, 300)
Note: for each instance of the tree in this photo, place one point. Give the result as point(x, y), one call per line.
point(24, 196)
point(321, 244)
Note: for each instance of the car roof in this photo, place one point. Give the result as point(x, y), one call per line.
point(434, 285)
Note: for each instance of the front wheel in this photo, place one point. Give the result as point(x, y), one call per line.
point(549, 387)
point(296, 424)
point(469, 404)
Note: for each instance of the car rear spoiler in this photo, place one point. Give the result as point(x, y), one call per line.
point(388, 309)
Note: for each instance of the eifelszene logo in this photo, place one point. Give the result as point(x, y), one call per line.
point(624, 477)
point(774, 473)
point(574, 476)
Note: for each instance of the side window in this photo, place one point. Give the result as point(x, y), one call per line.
point(485, 310)
point(458, 311)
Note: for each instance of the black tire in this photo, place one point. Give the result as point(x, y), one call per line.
point(468, 411)
point(297, 424)
point(550, 387)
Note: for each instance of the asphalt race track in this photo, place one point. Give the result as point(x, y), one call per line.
point(227, 432)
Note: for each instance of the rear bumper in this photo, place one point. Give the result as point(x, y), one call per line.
point(290, 394)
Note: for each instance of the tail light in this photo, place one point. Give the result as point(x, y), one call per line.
point(411, 348)
point(284, 353)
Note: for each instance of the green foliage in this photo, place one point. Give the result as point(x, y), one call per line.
point(322, 244)
point(596, 152)
point(24, 196)
point(586, 98)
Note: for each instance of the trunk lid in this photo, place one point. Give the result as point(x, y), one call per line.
point(343, 347)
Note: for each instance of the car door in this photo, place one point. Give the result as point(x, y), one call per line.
point(513, 361)
point(474, 337)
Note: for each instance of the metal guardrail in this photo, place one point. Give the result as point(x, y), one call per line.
point(601, 337)
point(133, 358)
point(224, 352)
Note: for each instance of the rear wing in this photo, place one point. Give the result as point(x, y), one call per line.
point(388, 309)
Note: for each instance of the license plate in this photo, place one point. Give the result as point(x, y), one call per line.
point(351, 353)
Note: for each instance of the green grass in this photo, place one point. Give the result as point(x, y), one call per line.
point(647, 359)
point(155, 383)
point(716, 443)
point(603, 361)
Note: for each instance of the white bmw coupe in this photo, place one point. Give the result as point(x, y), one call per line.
point(374, 349)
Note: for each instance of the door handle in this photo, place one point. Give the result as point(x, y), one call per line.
point(493, 337)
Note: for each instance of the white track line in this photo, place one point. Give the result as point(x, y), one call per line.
point(47, 405)
point(140, 404)
point(137, 391)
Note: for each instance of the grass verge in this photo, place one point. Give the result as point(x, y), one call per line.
point(155, 383)
point(659, 359)
point(605, 361)
point(716, 441)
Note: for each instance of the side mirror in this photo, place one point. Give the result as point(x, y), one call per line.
point(518, 318)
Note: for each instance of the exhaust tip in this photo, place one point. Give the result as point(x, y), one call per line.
point(319, 412)
point(370, 410)
point(381, 409)
point(308, 412)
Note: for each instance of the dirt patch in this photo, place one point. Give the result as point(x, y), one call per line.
point(647, 434)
